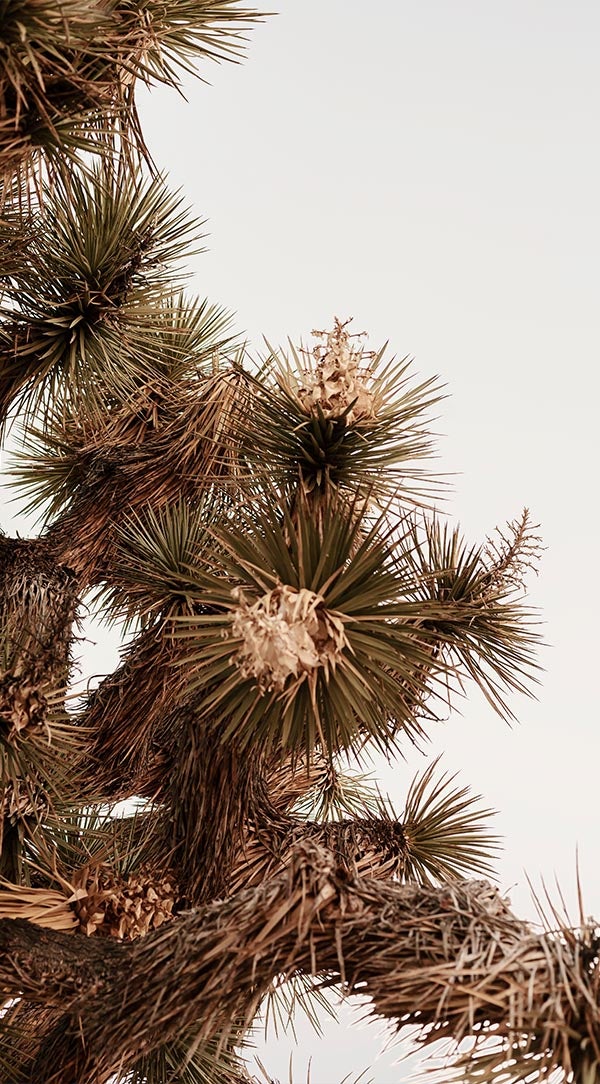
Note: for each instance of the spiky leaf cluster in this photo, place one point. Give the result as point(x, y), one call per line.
point(397, 647)
point(68, 70)
point(85, 315)
point(345, 418)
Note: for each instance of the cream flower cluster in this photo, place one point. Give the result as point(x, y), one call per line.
point(339, 379)
point(286, 634)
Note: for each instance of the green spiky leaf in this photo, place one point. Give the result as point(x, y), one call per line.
point(447, 830)
point(473, 602)
point(102, 256)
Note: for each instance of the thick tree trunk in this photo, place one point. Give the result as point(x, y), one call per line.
point(38, 600)
point(38, 603)
point(211, 794)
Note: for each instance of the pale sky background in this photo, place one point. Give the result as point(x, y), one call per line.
point(432, 169)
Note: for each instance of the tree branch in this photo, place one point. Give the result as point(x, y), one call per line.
point(452, 960)
point(374, 846)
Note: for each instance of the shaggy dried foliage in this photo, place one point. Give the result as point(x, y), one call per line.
point(443, 832)
point(272, 630)
point(451, 960)
point(125, 714)
point(38, 600)
point(162, 448)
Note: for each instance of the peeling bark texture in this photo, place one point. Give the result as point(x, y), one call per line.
point(124, 715)
point(38, 601)
point(445, 959)
point(212, 789)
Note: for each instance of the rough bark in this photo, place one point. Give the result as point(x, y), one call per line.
point(211, 794)
point(369, 847)
point(38, 601)
point(38, 606)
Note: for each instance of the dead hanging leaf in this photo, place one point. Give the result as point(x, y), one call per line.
point(22, 798)
point(339, 380)
point(42, 906)
point(286, 633)
point(23, 706)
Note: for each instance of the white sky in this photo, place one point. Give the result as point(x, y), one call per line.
point(432, 169)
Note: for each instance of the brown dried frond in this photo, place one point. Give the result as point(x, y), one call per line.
point(123, 908)
point(173, 441)
point(513, 553)
point(44, 906)
point(375, 847)
point(27, 1026)
point(289, 780)
point(192, 422)
point(23, 707)
point(22, 798)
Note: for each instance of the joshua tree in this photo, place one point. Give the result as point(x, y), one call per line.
point(263, 530)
